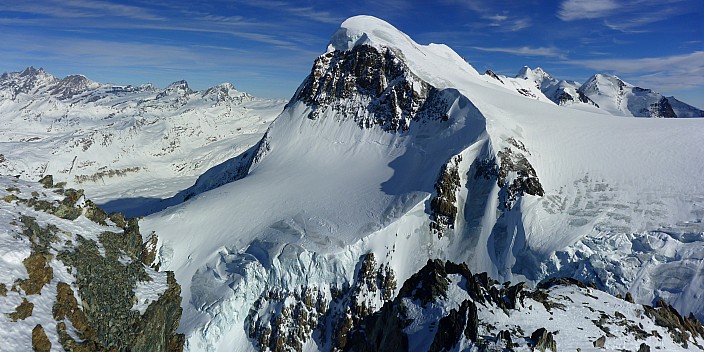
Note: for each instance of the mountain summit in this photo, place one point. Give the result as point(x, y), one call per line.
point(391, 154)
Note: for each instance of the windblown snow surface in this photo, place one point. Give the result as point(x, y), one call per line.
point(622, 206)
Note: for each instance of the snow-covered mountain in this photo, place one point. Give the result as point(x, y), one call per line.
point(562, 92)
point(606, 92)
point(620, 98)
point(122, 142)
point(391, 153)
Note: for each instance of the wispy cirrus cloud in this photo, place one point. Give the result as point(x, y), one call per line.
point(525, 51)
point(500, 18)
point(624, 16)
point(507, 23)
point(571, 10)
point(663, 73)
point(306, 12)
point(81, 9)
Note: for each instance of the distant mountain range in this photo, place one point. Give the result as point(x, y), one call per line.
point(606, 92)
point(124, 141)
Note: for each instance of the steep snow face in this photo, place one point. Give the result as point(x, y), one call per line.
point(404, 151)
point(124, 142)
point(623, 99)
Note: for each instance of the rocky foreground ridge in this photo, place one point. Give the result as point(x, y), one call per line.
point(74, 278)
point(446, 307)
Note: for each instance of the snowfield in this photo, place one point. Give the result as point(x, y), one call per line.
point(620, 201)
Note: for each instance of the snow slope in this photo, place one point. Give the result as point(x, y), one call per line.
point(405, 151)
point(118, 143)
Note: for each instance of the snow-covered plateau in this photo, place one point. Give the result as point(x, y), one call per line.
point(338, 225)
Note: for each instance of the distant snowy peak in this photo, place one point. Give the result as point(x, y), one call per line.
point(72, 86)
point(225, 92)
point(527, 83)
point(621, 98)
point(28, 81)
point(683, 109)
point(562, 92)
point(606, 92)
point(37, 82)
point(604, 84)
point(540, 77)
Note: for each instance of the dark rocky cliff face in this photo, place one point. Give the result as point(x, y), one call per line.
point(371, 86)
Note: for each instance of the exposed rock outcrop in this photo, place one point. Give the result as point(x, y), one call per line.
point(443, 206)
point(514, 173)
point(377, 78)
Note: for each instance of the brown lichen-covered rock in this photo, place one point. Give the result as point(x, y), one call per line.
point(40, 342)
point(23, 311)
point(39, 273)
point(105, 284)
point(66, 307)
point(95, 213)
point(149, 251)
point(156, 330)
point(118, 219)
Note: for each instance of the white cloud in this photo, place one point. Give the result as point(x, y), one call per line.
point(661, 73)
point(571, 10)
point(525, 51)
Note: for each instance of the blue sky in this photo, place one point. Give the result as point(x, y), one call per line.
point(266, 47)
